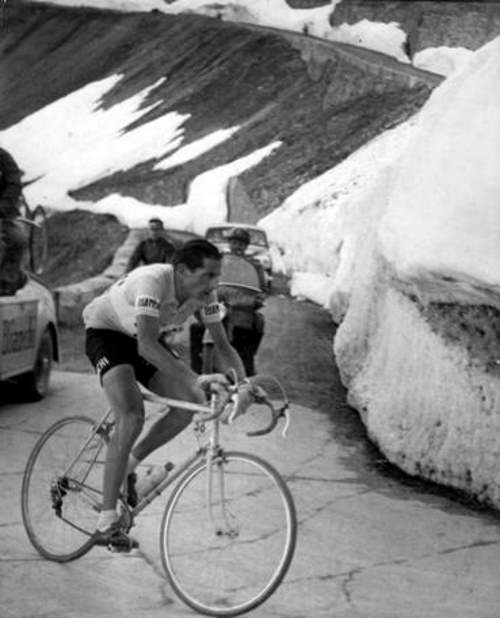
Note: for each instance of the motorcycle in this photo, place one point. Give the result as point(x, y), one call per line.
point(241, 292)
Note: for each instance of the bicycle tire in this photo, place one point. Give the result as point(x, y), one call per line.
point(65, 536)
point(232, 572)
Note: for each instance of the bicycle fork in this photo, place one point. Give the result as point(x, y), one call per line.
point(223, 522)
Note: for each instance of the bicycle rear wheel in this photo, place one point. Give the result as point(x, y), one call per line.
point(231, 562)
point(61, 490)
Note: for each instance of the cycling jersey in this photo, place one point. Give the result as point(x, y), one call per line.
point(147, 290)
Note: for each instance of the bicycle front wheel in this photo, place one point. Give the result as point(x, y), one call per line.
point(226, 550)
point(61, 491)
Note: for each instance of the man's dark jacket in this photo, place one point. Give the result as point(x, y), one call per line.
point(151, 251)
point(10, 186)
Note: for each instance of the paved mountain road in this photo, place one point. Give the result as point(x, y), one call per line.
point(371, 544)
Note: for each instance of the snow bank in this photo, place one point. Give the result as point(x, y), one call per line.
point(442, 215)
point(319, 229)
point(430, 410)
point(428, 389)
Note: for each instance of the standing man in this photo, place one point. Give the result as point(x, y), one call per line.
point(154, 249)
point(13, 241)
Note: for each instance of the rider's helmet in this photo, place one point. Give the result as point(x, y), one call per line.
point(239, 233)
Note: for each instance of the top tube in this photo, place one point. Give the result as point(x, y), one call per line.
point(175, 403)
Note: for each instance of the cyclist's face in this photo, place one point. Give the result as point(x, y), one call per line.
point(201, 281)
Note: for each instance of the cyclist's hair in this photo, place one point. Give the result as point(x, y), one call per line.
point(194, 252)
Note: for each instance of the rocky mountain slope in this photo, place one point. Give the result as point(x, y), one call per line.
point(221, 74)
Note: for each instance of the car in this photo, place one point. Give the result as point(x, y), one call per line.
point(29, 340)
point(257, 250)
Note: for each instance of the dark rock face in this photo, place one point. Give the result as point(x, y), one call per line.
point(475, 328)
point(428, 24)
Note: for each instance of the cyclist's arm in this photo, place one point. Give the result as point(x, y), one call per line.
point(226, 354)
point(148, 332)
point(148, 345)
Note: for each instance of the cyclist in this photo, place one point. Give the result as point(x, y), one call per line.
point(127, 342)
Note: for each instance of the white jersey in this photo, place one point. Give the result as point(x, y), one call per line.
point(147, 290)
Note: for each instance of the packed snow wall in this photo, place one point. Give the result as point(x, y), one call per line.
point(419, 344)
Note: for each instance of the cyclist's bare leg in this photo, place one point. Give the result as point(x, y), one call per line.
point(161, 432)
point(178, 384)
point(125, 399)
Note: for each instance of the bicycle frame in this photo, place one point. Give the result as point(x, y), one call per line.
point(206, 451)
point(102, 427)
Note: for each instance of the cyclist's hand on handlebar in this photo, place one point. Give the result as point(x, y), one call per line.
point(213, 382)
point(245, 395)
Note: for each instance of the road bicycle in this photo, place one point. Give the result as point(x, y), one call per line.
point(229, 527)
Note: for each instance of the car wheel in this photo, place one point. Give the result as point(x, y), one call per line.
point(36, 382)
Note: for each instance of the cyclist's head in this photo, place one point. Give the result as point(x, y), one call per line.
point(197, 267)
point(193, 253)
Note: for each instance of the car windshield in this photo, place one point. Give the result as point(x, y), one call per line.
point(220, 234)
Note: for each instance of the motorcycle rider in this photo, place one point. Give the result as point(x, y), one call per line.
point(243, 322)
point(246, 323)
point(239, 239)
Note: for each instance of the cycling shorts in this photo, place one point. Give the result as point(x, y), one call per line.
point(107, 348)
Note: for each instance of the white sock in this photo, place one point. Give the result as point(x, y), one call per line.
point(131, 465)
point(106, 518)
